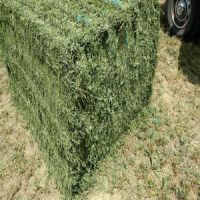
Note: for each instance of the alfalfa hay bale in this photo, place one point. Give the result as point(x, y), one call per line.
point(79, 72)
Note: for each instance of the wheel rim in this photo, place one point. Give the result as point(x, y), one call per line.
point(181, 12)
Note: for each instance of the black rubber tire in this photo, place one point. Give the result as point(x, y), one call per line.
point(192, 29)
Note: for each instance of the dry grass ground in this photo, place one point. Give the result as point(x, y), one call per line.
point(160, 158)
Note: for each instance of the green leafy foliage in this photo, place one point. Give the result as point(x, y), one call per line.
point(79, 73)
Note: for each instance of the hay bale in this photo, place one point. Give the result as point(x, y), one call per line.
point(79, 73)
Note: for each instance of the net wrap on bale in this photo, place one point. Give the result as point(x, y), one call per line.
point(79, 72)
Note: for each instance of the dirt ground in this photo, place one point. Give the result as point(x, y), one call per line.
point(160, 158)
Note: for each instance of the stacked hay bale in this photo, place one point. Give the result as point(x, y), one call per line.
point(79, 72)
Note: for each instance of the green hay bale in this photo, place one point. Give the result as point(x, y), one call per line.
point(79, 72)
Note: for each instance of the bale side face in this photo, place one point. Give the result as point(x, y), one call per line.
point(79, 73)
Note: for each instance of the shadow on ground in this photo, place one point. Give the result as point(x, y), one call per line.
point(189, 61)
point(189, 58)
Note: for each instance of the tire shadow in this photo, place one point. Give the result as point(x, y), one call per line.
point(189, 61)
point(189, 57)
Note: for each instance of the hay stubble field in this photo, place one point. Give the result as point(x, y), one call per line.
point(160, 157)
